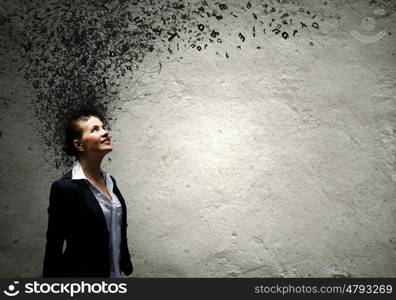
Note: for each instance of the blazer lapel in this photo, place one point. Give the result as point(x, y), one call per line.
point(118, 194)
point(89, 198)
point(91, 201)
point(122, 201)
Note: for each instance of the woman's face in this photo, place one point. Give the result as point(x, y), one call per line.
point(94, 139)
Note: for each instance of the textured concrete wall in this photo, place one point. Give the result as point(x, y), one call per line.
point(276, 159)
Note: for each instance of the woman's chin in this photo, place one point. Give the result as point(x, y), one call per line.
point(108, 148)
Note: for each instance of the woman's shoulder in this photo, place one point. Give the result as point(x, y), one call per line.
point(66, 182)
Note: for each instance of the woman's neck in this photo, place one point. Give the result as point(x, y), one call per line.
point(91, 167)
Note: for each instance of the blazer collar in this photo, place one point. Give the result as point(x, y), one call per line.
point(67, 175)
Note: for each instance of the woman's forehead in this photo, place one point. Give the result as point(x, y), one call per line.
point(92, 121)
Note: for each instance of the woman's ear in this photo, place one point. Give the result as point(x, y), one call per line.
point(78, 145)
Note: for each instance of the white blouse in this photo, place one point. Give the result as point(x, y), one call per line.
point(112, 211)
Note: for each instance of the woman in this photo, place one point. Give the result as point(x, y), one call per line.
point(86, 210)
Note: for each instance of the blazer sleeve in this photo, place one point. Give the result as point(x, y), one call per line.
point(55, 233)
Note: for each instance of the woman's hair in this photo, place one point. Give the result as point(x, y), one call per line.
point(74, 131)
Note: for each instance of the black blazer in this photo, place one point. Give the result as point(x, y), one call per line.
point(75, 216)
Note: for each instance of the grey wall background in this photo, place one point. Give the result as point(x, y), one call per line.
point(277, 161)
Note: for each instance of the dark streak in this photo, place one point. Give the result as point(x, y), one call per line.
point(77, 51)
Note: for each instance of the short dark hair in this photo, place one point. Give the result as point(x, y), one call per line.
point(74, 131)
